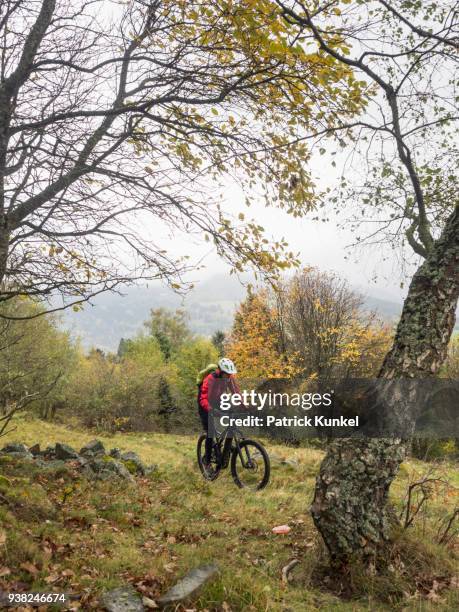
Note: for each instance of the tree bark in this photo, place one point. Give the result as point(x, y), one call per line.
point(4, 244)
point(350, 502)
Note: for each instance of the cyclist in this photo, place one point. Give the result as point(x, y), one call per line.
point(215, 381)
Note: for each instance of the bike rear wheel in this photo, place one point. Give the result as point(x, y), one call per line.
point(214, 463)
point(250, 466)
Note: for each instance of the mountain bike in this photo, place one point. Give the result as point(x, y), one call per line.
point(250, 466)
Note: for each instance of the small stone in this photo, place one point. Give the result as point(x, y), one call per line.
point(123, 599)
point(115, 453)
point(133, 459)
point(188, 585)
point(4, 601)
point(150, 604)
point(15, 447)
point(109, 469)
point(291, 462)
point(120, 470)
point(88, 472)
point(23, 456)
point(35, 450)
point(95, 447)
point(64, 451)
point(276, 459)
point(97, 465)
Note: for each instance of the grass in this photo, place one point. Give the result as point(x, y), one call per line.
point(106, 534)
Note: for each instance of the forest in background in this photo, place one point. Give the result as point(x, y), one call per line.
point(211, 305)
point(313, 326)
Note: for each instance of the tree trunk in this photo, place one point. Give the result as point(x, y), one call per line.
point(350, 501)
point(4, 245)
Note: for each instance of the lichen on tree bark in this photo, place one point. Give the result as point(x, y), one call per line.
point(350, 502)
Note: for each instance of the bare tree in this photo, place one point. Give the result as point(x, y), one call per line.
point(319, 312)
point(405, 146)
point(117, 121)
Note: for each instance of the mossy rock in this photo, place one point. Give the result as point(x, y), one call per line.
point(131, 466)
point(132, 459)
point(108, 468)
point(95, 448)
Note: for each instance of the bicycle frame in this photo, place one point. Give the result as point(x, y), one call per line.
point(226, 438)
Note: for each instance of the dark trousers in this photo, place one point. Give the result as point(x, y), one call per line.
point(204, 416)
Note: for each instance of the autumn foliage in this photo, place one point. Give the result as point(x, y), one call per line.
point(311, 325)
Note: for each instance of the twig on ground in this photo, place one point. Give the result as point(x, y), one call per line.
point(287, 569)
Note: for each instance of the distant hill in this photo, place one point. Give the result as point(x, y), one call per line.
point(210, 307)
point(111, 316)
point(386, 309)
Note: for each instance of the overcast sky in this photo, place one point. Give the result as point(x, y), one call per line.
point(320, 244)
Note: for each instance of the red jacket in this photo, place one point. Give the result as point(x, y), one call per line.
point(212, 388)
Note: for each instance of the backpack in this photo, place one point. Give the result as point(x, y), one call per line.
point(203, 373)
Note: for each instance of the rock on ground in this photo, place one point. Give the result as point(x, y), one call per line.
point(15, 447)
point(64, 451)
point(95, 447)
point(123, 599)
point(107, 469)
point(188, 585)
point(22, 456)
point(93, 461)
point(133, 459)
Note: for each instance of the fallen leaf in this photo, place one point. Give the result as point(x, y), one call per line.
point(30, 568)
point(51, 578)
point(5, 571)
point(454, 582)
point(435, 597)
point(149, 603)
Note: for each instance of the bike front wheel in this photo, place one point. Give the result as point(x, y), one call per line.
point(250, 465)
point(215, 466)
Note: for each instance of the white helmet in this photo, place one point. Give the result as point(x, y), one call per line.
point(226, 365)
